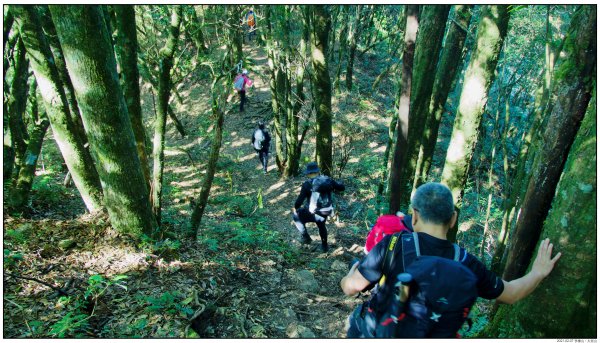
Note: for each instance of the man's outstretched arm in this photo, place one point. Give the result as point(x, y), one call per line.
point(354, 282)
point(518, 289)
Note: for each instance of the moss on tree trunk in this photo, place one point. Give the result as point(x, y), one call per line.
point(478, 79)
point(77, 158)
point(91, 62)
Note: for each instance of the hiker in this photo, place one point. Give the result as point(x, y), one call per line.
point(261, 141)
point(433, 215)
point(317, 190)
point(240, 83)
point(251, 22)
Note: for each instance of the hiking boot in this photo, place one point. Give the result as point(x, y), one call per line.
point(305, 239)
point(324, 247)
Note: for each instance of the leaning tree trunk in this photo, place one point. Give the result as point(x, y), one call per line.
point(167, 54)
point(126, 51)
point(446, 73)
point(89, 57)
point(402, 124)
point(200, 204)
point(17, 102)
point(573, 92)
point(63, 73)
point(19, 195)
point(564, 305)
point(322, 87)
point(427, 51)
point(477, 81)
point(77, 158)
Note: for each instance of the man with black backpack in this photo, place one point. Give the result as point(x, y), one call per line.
point(318, 191)
point(425, 284)
point(261, 141)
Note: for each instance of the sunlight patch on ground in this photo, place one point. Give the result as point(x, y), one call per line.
point(111, 260)
point(279, 198)
point(380, 148)
point(275, 187)
point(354, 160)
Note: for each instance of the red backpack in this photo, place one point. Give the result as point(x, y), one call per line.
point(387, 224)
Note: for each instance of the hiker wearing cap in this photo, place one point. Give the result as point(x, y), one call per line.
point(240, 83)
point(425, 284)
point(317, 192)
point(261, 141)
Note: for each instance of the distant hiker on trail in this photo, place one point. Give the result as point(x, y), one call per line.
point(251, 22)
point(318, 191)
point(261, 141)
point(240, 83)
point(427, 285)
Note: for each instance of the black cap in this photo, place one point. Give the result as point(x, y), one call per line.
point(312, 167)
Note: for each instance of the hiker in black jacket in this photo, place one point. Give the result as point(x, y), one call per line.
point(433, 215)
point(261, 140)
point(319, 205)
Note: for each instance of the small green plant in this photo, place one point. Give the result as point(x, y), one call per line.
point(72, 324)
point(11, 258)
point(169, 303)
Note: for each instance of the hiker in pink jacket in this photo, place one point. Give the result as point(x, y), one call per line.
point(240, 83)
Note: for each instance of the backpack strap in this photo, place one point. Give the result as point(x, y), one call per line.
point(456, 252)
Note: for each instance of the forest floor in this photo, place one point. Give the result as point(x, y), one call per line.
point(246, 276)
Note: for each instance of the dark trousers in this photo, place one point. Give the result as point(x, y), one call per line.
point(362, 324)
point(304, 216)
point(263, 157)
point(242, 94)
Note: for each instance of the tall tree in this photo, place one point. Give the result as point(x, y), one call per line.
point(572, 286)
point(402, 124)
point(353, 35)
point(167, 54)
point(91, 62)
point(447, 71)
point(16, 107)
point(478, 78)
point(77, 158)
point(573, 92)
point(217, 102)
point(427, 51)
point(126, 50)
point(321, 24)
point(19, 194)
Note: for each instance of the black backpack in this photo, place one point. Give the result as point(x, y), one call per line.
point(321, 198)
point(432, 298)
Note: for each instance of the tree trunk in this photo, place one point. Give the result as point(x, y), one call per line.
point(8, 21)
point(479, 76)
point(342, 40)
point(573, 92)
point(198, 16)
point(91, 62)
point(126, 50)
point(447, 71)
point(427, 51)
point(564, 305)
point(352, 43)
point(202, 201)
point(77, 158)
point(17, 102)
point(163, 93)
point(63, 73)
point(19, 195)
point(402, 125)
point(322, 87)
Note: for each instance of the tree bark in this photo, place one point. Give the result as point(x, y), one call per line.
point(352, 43)
point(573, 92)
point(427, 51)
point(447, 71)
point(400, 146)
point(322, 87)
point(202, 201)
point(91, 62)
point(19, 195)
point(126, 50)
point(479, 76)
point(564, 305)
point(163, 93)
point(63, 73)
point(198, 16)
point(77, 158)
point(17, 102)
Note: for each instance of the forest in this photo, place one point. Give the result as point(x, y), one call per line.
point(135, 205)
